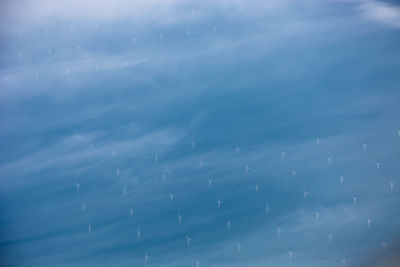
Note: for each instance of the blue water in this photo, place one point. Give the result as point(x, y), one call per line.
point(111, 107)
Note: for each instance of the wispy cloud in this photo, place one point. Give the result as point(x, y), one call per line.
point(385, 13)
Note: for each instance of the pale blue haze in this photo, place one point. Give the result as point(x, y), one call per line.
point(88, 88)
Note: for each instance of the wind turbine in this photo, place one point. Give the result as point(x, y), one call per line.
point(283, 155)
point(155, 157)
point(161, 37)
point(210, 182)
point(378, 165)
point(267, 209)
point(113, 154)
point(290, 254)
point(369, 222)
point(391, 186)
point(89, 228)
point(118, 172)
point(78, 185)
point(201, 163)
point(342, 179)
point(192, 144)
point(278, 231)
point(355, 201)
point(219, 203)
point(132, 212)
point(180, 218)
point(134, 41)
point(305, 193)
point(238, 247)
point(124, 192)
point(171, 196)
point(364, 146)
point(83, 206)
point(138, 234)
point(329, 161)
point(317, 216)
point(237, 149)
point(257, 186)
point(330, 238)
point(344, 262)
point(317, 141)
point(188, 239)
point(146, 258)
point(293, 174)
point(163, 177)
point(384, 245)
point(228, 224)
point(215, 29)
point(197, 263)
point(247, 168)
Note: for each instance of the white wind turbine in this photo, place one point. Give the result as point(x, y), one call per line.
point(364, 145)
point(278, 231)
point(391, 186)
point(317, 216)
point(180, 218)
point(239, 247)
point(378, 165)
point(267, 209)
point(355, 201)
point(228, 224)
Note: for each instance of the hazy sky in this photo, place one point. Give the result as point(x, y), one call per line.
point(247, 112)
